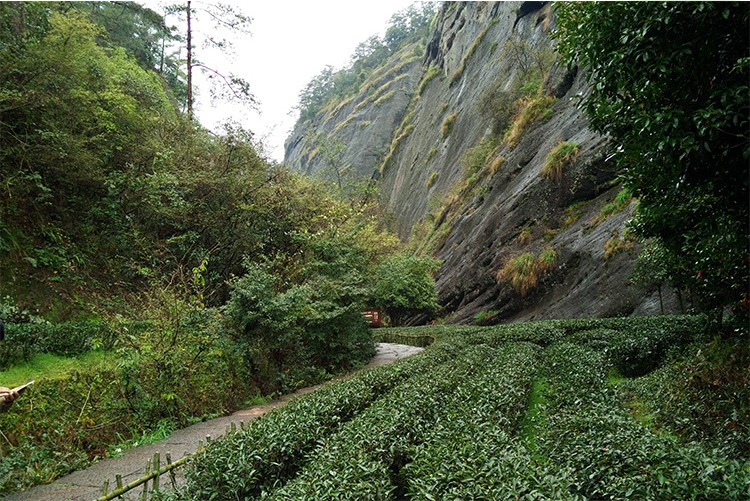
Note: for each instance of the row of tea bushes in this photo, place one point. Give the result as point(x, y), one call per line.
point(532, 411)
point(272, 450)
point(472, 453)
point(610, 455)
point(363, 460)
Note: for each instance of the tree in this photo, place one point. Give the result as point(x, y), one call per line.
point(224, 20)
point(669, 85)
point(404, 286)
point(143, 33)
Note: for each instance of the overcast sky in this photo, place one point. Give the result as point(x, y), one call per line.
point(290, 43)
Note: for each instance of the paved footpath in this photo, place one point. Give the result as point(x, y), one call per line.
point(86, 485)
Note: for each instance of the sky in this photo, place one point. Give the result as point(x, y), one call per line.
point(290, 43)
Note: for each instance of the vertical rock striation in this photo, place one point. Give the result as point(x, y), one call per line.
point(463, 149)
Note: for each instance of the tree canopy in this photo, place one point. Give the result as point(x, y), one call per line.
point(405, 27)
point(670, 87)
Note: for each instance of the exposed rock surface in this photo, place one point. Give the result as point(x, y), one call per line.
point(363, 125)
point(477, 226)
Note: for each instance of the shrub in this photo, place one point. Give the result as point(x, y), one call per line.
point(524, 272)
point(561, 156)
point(470, 52)
point(485, 317)
point(496, 164)
point(401, 135)
point(298, 328)
point(531, 109)
point(619, 203)
point(404, 286)
point(524, 236)
point(432, 179)
point(447, 126)
point(617, 244)
point(476, 159)
point(432, 72)
point(547, 259)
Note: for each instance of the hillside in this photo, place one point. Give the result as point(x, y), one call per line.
point(463, 135)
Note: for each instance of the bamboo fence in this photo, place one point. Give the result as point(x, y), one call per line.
point(154, 471)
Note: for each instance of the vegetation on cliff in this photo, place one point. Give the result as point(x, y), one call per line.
point(669, 84)
point(331, 85)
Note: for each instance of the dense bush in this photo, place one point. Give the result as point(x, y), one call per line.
point(68, 338)
point(662, 92)
point(404, 286)
point(177, 372)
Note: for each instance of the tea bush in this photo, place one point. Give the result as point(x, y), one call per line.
point(272, 450)
point(539, 410)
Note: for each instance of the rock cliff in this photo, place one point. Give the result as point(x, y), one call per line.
point(487, 163)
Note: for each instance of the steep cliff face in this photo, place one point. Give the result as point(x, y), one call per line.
point(356, 132)
point(490, 166)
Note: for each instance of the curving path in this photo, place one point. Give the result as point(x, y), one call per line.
point(86, 485)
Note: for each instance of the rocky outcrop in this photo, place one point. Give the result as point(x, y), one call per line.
point(465, 171)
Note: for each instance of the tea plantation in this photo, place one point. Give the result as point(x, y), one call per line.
point(646, 408)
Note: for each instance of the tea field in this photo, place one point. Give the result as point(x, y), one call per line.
point(637, 408)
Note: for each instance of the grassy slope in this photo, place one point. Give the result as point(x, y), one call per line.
point(47, 366)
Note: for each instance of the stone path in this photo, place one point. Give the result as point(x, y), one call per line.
point(86, 485)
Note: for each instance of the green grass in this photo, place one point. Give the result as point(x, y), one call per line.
point(561, 156)
point(48, 366)
point(447, 127)
point(535, 417)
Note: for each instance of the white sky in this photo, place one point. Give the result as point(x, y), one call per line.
point(290, 43)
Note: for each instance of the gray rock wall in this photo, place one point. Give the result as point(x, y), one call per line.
point(512, 210)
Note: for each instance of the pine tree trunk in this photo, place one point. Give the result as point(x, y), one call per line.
point(189, 66)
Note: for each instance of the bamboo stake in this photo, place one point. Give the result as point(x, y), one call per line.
point(172, 477)
point(144, 494)
point(157, 467)
point(135, 483)
point(118, 481)
point(106, 487)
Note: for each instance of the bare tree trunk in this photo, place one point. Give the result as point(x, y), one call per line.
point(189, 65)
point(661, 301)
